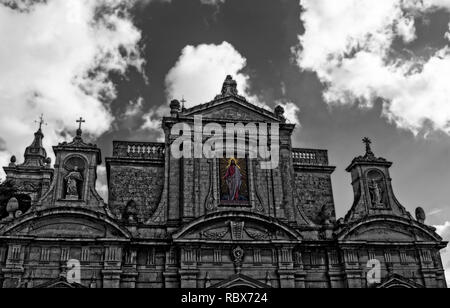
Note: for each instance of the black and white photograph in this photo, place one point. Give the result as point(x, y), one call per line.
point(217, 151)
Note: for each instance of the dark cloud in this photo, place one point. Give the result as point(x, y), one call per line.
point(264, 31)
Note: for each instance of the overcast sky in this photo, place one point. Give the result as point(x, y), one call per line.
point(343, 69)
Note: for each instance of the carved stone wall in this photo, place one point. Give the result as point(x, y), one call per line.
point(314, 194)
point(143, 185)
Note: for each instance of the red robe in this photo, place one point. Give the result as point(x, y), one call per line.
point(230, 173)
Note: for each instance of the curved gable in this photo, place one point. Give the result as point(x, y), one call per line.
point(236, 227)
point(387, 229)
point(66, 223)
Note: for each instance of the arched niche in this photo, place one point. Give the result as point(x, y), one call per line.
point(75, 177)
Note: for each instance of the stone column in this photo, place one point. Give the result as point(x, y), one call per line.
point(353, 273)
point(112, 268)
point(286, 167)
point(14, 270)
point(130, 274)
point(286, 271)
point(427, 268)
point(188, 269)
point(189, 279)
point(335, 273)
point(171, 276)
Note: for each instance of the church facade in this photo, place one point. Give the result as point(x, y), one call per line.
point(207, 222)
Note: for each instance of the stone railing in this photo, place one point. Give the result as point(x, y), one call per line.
point(139, 150)
point(308, 157)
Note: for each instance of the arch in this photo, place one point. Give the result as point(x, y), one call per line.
point(76, 215)
point(79, 166)
point(383, 219)
point(211, 219)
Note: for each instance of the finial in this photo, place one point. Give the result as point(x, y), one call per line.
point(41, 121)
point(268, 280)
point(420, 215)
point(183, 103)
point(368, 143)
point(229, 87)
point(207, 281)
point(13, 161)
point(175, 108)
point(80, 122)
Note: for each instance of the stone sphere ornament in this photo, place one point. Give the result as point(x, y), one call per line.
point(13, 161)
point(279, 111)
point(12, 207)
point(420, 215)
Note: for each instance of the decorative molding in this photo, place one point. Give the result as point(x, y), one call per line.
point(238, 257)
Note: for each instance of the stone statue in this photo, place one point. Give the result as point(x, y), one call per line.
point(376, 193)
point(73, 179)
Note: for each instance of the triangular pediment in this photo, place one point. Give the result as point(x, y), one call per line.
point(233, 109)
point(240, 281)
point(399, 282)
point(59, 283)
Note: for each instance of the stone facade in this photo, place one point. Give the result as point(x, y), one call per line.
point(167, 225)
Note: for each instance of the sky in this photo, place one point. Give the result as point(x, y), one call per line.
point(342, 69)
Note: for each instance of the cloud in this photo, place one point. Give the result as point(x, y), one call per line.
point(349, 44)
point(55, 59)
point(435, 212)
point(444, 232)
point(291, 111)
point(212, 2)
point(200, 71)
point(101, 185)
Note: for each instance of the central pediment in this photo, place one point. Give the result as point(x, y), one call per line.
point(232, 108)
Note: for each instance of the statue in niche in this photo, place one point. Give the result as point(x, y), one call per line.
point(74, 181)
point(376, 193)
point(377, 189)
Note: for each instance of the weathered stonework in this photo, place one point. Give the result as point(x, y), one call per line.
point(165, 225)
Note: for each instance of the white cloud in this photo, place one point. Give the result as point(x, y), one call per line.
point(134, 108)
point(201, 71)
point(55, 58)
point(212, 2)
point(348, 43)
point(291, 111)
point(444, 232)
point(101, 185)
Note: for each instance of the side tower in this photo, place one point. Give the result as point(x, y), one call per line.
point(26, 183)
point(378, 231)
point(76, 175)
point(67, 220)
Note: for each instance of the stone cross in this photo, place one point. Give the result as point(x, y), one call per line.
point(368, 142)
point(80, 121)
point(41, 121)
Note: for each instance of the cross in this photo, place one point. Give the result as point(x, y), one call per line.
point(80, 121)
point(41, 121)
point(368, 142)
point(183, 101)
